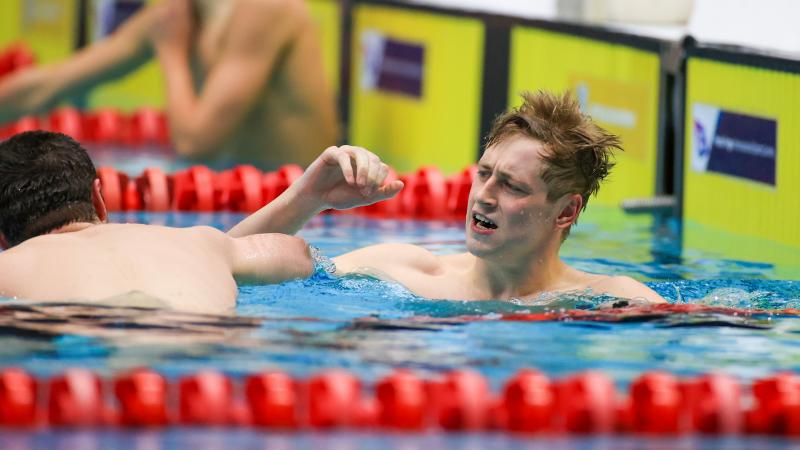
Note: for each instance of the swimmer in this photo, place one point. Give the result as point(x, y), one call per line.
point(542, 162)
point(53, 223)
point(243, 78)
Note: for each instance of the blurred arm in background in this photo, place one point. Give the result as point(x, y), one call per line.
point(38, 89)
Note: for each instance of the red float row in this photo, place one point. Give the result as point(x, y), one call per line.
point(144, 127)
point(15, 57)
point(585, 403)
point(427, 194)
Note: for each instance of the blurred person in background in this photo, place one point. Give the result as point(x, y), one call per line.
point(243, 78)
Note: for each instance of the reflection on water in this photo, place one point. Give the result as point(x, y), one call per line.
point(132, 324)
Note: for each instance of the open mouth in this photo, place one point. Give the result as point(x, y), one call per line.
point(483, 222)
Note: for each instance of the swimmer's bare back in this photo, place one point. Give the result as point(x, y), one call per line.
point(189, 269)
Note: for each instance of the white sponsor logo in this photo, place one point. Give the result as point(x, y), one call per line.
point(704, 128)
point(373, 44)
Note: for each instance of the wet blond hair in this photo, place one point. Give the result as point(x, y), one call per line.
point(578, 154)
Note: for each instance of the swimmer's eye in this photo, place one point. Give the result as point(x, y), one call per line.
point(516, 189)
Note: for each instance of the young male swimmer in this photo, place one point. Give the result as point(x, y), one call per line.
point(52, 220)
point(243, 78)
point(542, 162)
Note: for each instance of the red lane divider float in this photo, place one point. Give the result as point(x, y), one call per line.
point(142, 397)
point(657, 403)
point(18, 402)
point(76, 399)
point(143, 128)
point(68, 121)
point(15, 57)
point(273, 399)
point(427, 195)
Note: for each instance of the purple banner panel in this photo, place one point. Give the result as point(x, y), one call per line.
point(735, 144)
point(402, 68)
point(392, 65)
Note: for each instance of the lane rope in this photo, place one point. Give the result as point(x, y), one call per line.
point(657, 403)
point(428, 194)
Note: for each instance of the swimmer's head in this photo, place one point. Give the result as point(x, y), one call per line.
point(47, 181)
point(577, 153)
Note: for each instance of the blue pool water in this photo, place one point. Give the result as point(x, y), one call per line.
point(370, 327)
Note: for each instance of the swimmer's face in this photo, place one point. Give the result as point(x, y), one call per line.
point(509, 215)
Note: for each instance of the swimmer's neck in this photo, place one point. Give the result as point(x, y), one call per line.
point(74, 227)
point(526, 278)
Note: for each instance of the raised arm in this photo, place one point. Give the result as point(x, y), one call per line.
point(340, 178)
point(38, 89)
point(257, 33)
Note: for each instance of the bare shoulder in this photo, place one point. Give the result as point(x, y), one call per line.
point(205, 230)
point(6, 269)
point(255, 26)
point(388, 258)
point(270, 10)
point(206, 233)
point(273, 5)
point(13, 264)
point(626, 287)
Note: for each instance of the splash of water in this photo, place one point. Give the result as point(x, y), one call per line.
point(323, 265)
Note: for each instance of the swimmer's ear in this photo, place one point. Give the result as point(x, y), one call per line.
point(570, 211)
point(4, 242)
point(98, 202)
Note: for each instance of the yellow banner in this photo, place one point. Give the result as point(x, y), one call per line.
point(416, 88)
point(732, 203)
point(616, 84)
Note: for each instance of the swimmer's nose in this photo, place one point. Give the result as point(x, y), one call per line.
point(484, 194)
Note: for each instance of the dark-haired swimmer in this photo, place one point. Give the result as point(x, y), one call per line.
point(243, 78)
point(541, 164)
point(52, 220)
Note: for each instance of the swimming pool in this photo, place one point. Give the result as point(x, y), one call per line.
point(370, 327)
